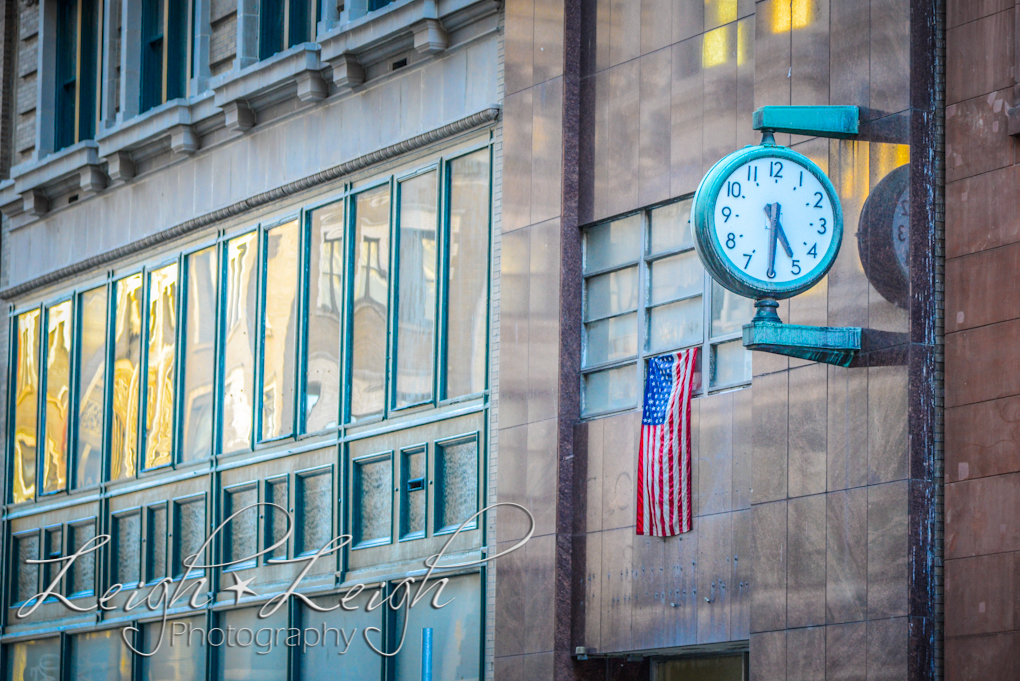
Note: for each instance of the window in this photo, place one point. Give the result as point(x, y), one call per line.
point(314, 510)
point(327, 258)
point(413, 492)
point(456, 483)
point(127, 354)
point(276, 519)
point(160, 394)
point(127, 541)
point(155, 543)
point(81, 578)
point(91, 387)
point(189, 534)
point(199, 359)
point(25, 389)
point(373, 500)
point(255, 662)
point(240, 536)
point(26, 582)
point(185, 660)
point(165, 51)
point(239, 331)
point(33, 660)
point(283, 24)
point(100, 654)
point(282, 247)
point(59, 331)
point(52, 548)
point(645, 294)
point(78, 40)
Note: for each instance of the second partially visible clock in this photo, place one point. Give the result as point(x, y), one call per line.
point(767, 222)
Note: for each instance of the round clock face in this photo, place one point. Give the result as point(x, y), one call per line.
point(768, 222)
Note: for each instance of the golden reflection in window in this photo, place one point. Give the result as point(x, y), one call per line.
point(239, 342)
point(279, 373)
point(58, 396)
point(91, 386)
point(718, 12)
point(159, 388)
point(371, 301)
point(794, 14)
point(127, 349)
point(26, 405)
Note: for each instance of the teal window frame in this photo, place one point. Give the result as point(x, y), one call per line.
point(440, 446)
point(43, 384)
point(175, 551)
point(77, 77)
point(166, 51)
point(69, 529)
point(225, 536)
point(265, 531)
point(296, 499)
point(12, 583)
point(110, 572)
point(74, 433)
point(404, 534)
point(355, 512)
point(146, 574)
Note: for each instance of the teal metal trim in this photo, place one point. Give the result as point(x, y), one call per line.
point(840, 122)
point(831, 345)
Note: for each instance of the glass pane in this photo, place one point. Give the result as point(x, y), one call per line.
point(53, 548)
point(276, 519)
point(677, 276)
point(34, 660)
point(315, 511)
point(611, 389)
point(456, 633)
point(91, 386)
point(100, 655)
point(265, 661)
point(675, 325)
point(159, 395)
point(457, 480)
point(156, 544)
point(239, 342)
point(732, 363)
point(59, 332)
point(671, 228)
point(279, 370)
point(359, 662)
point(468, 286)
point(241, 533)
point(416, 314)
point(612, 293)
point(612, 243)
point(326, 291)
point(127, 350)
point(189, 534)
point(26, 406)
point(413, 489)
point(127, 540)
point(81, 578)
point(373, 512)
point(371, 301)
point(26, 548)
point(609, 339)
point(199, 355)
point(729, 311)
point(724, 668)
point(181, 656)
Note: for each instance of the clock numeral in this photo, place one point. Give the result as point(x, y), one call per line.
point(796, 267)
point(731, 241)
point(901, 232)
point(749, 169)
point(776, 169)
point(814, 251)
point(748, 256)
point(733, 189)
point(818, 203)
point(726, 213)
point(801, 179)
point(824, 223)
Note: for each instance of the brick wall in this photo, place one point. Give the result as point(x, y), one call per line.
point(223, 44)
point(27, 64)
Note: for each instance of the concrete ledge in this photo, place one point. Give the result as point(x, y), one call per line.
point(75, 168)
point(293, 72)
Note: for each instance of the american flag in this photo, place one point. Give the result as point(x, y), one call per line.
point(664, 457)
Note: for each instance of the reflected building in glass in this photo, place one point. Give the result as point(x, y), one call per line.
point(317, 291)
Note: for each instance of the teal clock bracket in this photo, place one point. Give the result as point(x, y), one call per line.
point(828, 344)
point(767, 332)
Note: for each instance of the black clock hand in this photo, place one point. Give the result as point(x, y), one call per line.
point(772, 213)
point(782, 235)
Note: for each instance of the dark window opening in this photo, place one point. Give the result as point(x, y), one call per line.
point(164, 51)
point(77, 71)
point(284, 24)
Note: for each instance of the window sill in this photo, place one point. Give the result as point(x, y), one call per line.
point(369, 45)
point(32, 185)
point(243, 94)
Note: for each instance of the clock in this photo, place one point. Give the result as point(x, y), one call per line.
point(767, 222)
point(883, 237)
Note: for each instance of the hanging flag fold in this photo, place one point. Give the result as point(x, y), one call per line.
point(664, 456)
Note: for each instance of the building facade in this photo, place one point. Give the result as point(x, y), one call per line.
point(280, 271)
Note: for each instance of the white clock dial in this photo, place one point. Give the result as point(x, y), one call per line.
point(774, 220)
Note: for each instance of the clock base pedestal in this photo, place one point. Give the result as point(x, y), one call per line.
point(828, 344)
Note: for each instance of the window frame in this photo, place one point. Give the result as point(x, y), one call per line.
point(284, 36)
point(68, 117)
point(438, 484)
point(172, 36)
point(354, 508)
point(639, 362)
point(111, 554)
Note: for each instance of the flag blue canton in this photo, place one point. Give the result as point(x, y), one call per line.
point(658, 388)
